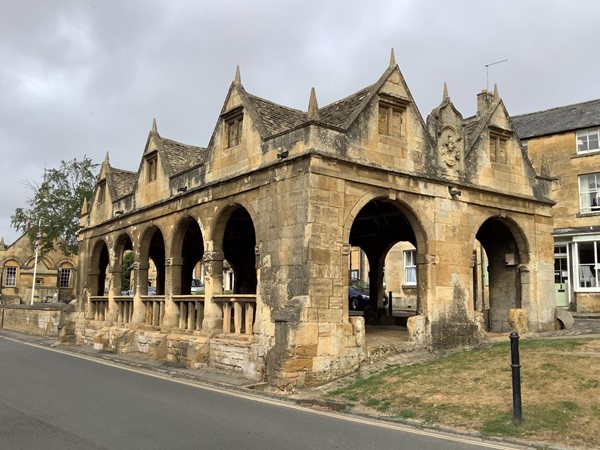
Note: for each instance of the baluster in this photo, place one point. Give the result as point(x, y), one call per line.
point(237, 316)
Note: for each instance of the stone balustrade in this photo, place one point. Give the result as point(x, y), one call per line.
point(239, 308)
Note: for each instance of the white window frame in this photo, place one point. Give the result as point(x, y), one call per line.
point(582, 141)
point(410, 267)
point(589, 193)
point(587, 274)
point(10, 278)
point(62, 277)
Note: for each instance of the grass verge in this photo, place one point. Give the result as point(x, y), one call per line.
point(560, 380)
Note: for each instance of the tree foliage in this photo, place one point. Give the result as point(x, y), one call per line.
point(126, 268)
point(56, 205)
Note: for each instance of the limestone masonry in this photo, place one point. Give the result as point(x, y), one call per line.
point(281, 196)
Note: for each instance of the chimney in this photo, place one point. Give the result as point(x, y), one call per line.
point(484, 99)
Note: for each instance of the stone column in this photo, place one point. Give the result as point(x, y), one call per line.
point(140, 281)
point(213, 285)
point(114, 290)
point(173, 268)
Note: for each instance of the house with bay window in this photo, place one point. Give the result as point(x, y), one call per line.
point(564, 143)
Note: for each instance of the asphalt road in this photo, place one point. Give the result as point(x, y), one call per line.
point(53, 400)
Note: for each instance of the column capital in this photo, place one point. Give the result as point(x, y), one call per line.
point(213, 256)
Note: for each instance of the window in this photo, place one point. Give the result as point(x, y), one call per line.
point(234, 130)
point(101, 191)
point(588, 265)
point(498, 148)
point(587, 140)
point(64, 278)
point(390, 121)
point(151, 167)
point(410, 267)
point(589, 193)
point(11, 276)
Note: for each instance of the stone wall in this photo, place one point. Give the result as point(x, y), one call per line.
point(38, 320)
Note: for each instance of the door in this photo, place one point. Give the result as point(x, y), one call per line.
point(561, 276)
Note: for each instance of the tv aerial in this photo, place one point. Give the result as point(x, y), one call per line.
point(487, 73)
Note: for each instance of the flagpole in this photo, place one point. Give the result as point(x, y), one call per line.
point(37, 247)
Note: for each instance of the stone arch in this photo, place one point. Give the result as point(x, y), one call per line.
point(507, 251)
point(376, 224)
point(234, 235)
point(122, 244)
point(187, 250)
point(151, 248)
point(97, 267)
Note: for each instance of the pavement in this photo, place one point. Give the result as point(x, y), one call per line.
point(586, 324)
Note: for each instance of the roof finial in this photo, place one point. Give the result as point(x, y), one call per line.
point(392, 58)
point(84, 207)
point(238, 78)
point(313, 107)
point(445, 95)
point(2, 246)
point(106, 157)
point(496, 96)
point(154, 127)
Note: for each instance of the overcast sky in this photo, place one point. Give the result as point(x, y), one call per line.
point(83, 77)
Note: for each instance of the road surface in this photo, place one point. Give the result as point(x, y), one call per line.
point(56, 400)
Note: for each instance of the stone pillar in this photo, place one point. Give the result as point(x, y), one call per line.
point(140, 280)
point(213, 285)
point(114, 290)
point(173, 268)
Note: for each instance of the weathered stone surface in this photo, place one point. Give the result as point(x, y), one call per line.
point(518, 320)
point(565, 317)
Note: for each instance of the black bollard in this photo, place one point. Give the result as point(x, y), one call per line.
point(391, 311)
point(516, 377)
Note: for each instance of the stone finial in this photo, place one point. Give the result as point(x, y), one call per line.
point(496, 96)
point(392, 58)
point(106, 158)
point(84, 207)
point(2, 246)
point(238, 77)
point(154, 127)
point(445, 94)
point(313, 107)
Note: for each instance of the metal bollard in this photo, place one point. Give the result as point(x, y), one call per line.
point(391, 311)
point(516, 377)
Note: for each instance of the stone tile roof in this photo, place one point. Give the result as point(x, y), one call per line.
point(338, 113)
point(277, 118)
point(558, 120)
point(181, 156)
point(123, 182)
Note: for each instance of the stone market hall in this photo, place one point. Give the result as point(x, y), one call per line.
point(280, 197)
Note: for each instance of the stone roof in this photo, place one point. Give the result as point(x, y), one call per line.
point(123, 181)
point(181, 156)
point(277, 118)
point(558, 120)
point(338, 113)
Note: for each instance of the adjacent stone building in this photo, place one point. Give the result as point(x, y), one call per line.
point(282, 196)
point(55, 274)
point(564, 142)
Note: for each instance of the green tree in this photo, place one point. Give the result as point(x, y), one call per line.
point(56, 205)
point(126, 269)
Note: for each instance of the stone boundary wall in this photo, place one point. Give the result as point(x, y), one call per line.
point(37, 320)
point(233, 353)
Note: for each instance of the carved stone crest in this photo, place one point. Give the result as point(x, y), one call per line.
point(448, 147)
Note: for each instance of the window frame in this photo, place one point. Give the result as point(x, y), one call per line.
point(579, 142)
point(151, 167)
point(61, 278)
point(594, 268)
point(589, 197)
point(410, 267)
point(12, 277)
